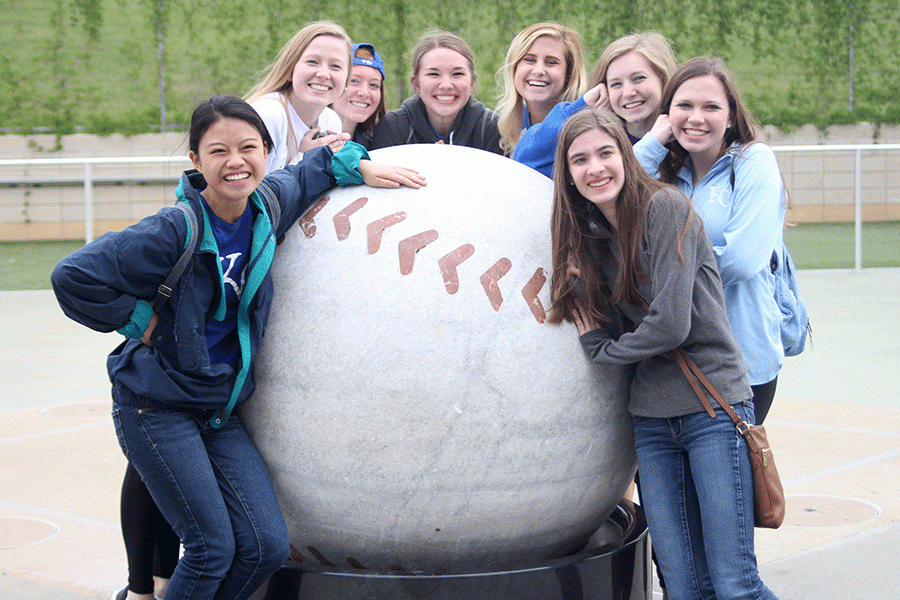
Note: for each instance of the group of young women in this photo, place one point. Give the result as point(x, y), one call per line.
point(658, 246)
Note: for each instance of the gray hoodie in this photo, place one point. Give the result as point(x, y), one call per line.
point(475, 126)
point(688, 311)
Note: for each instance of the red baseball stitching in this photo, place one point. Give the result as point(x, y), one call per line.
point(307, 221)
point(530, 293)
point(342, 219)
point(448, 264)
point(410, 246)
point(376, 229)
point(490, 278)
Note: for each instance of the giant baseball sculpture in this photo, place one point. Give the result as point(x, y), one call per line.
point(414, 410)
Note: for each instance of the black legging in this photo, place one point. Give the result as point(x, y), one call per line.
point(150, 544)
point(763, 394)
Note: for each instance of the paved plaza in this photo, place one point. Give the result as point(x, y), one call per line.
point(834, 426)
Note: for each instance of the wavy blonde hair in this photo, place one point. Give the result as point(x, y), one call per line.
point(651, 45)
point(509, 106)
point(277, 76)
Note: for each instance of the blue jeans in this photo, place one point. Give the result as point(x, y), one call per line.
point(697, 489)
point(212, 487)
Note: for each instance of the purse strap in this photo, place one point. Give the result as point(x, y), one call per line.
point(693, 374)
point(696, 377)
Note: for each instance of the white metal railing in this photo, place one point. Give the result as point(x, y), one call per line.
point(88, 176)
point(857, 149)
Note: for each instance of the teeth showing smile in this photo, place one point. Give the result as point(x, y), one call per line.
point(357, 104)
point(538, 83)
point(443, 98)
point(601, 183)
point(237, 177)
point(694, 132)
point(631, 105)
point(319, 87)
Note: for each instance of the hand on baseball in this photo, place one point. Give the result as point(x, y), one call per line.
point(389, 176)
point(312, 139)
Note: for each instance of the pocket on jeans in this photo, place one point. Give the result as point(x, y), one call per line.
point(749, 411)
point(117, 422)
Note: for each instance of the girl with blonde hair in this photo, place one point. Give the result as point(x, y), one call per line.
point(544, 66)
point(310, 73)
point(628, 78)
point(634, 69)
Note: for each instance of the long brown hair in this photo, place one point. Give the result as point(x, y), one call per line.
point(571, 234)
point(435, 38)
point(743, 130)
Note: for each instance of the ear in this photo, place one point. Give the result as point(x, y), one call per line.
point(414, 82)
point(195, 160)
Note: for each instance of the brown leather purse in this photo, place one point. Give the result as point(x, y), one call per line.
point(768, 494)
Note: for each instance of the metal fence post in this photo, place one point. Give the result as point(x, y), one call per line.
point(858, 210)
point(88, 204)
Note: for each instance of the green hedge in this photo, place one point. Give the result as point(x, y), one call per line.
point(93, 65)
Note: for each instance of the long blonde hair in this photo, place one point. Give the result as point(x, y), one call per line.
point(509, 106)
point(277, 77)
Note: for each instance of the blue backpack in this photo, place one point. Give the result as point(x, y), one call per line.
point(794, 317)
point(795, 325)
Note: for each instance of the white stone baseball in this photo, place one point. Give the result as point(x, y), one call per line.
point(413, 408)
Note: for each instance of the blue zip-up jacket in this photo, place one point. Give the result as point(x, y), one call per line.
point(537, 146)
point(745, 223)
point(108, 285)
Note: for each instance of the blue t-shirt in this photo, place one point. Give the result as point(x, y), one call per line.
point(233, 240)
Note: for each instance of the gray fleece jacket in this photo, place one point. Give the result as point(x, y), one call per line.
point(687, 310)
point(475, 126)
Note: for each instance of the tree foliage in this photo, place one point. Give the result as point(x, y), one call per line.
point(95, 64)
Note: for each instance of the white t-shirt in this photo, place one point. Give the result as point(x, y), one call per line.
point(272, 110)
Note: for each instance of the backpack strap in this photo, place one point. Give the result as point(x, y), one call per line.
point(271, 203)
point(164, 291)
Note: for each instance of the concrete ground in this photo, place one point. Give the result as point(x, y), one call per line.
point(834, 426)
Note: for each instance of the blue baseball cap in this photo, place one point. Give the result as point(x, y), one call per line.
point(375, 63)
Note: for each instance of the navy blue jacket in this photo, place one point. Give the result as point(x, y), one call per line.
point(108, 285)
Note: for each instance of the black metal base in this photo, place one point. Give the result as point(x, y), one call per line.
point(617, 567)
